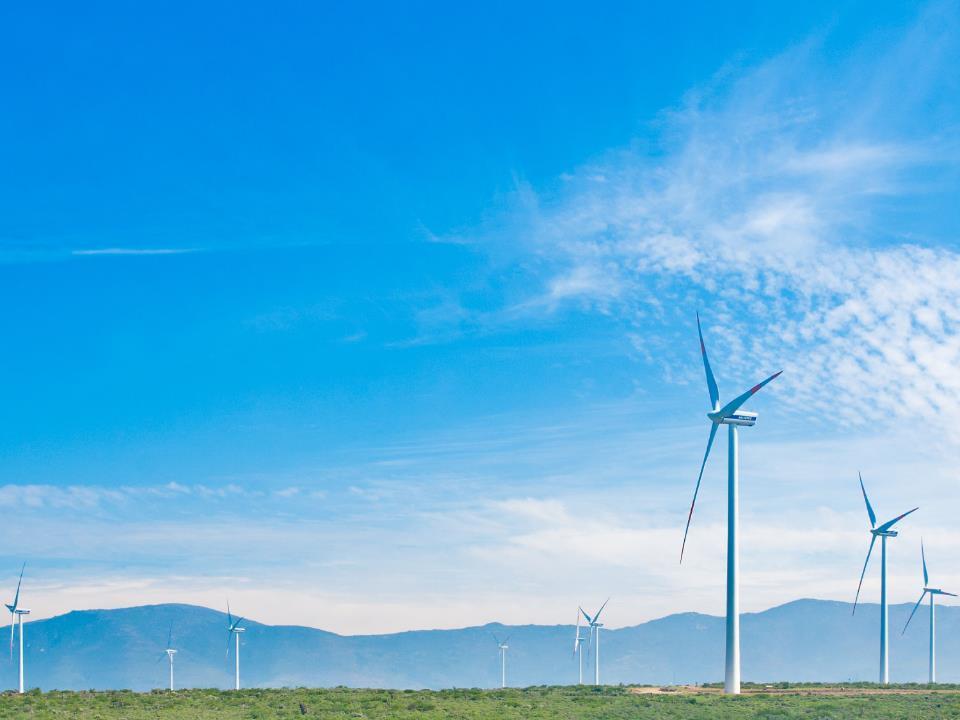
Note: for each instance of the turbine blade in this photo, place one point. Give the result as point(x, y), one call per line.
point(576, 640)
point(873, 539)
point(713, 434)
point(734, 405)
point(496, 639)
point(229, 616)
point(170, 637)
point(16, 598)
point(586, 616)
point(11, 634)
point(923, 557)
point(711, 381)
point(890, 523)
point(922, 595)
point(597, 616)
point(870, 512)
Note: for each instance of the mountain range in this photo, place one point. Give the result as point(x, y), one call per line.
point(804, 640)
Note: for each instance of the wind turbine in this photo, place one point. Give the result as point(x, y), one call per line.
point(234, 629)
point(883, 532)
point(170, 652)
point(578, 648)
point(595, 626)
point(731, 416)
point(503, 659)
point(17, 613)
point(931, 591)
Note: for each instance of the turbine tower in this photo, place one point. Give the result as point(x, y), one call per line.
point(170, 652)
point(578, 648)
point(234, 629)
point(731, 416)
point(17, 613)
point(503, 659)
point(883, 532)
point(931, 592)
point(595, 626)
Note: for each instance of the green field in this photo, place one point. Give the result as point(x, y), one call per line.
point(567, 703)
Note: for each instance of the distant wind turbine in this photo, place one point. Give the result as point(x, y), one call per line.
point(595, 626)
point(731, 416)
point(170, 652)
point(883, 532)
point(234, 629)
point(17, 613)
point(503, 647)
point(928, 591)
point(578, 648)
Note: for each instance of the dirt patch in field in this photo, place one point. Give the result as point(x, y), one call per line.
point(838, 691)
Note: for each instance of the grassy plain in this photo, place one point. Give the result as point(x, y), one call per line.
point(780, 702)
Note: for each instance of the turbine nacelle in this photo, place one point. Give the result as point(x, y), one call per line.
point(740, 417)
point(21, 611)
point(885, 533)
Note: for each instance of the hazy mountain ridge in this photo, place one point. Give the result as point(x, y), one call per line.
point(804, 640)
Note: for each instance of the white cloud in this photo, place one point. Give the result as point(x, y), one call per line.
point(779, 206)
point(131, 251)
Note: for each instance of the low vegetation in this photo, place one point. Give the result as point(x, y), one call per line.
point(773, 702)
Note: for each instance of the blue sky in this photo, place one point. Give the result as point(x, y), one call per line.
point(385, 317)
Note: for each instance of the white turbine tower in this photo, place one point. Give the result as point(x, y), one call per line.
point(933, 619)
point(731, 416)
point(883, 532)
point(16, 614)
point(503, 647)
point(578, 648)
point(595, 626)
point(234, 630)
point(169, 653)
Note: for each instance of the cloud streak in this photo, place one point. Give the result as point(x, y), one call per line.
point(89, 252)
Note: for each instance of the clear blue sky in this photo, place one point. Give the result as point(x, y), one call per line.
point(388, 312)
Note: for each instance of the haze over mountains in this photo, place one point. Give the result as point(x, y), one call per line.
point(805, 640)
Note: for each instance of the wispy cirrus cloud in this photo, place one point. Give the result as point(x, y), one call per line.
point(86, 497)
point(89, 252)
point(780, 201)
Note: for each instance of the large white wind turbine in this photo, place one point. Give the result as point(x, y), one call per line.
point(883, 532)
point(17, 613)
point(578, 648)
point(234, 630)
point(595, 626)
point(169, 653)
point(731, 416)
point(503, 647)
point(933, 624)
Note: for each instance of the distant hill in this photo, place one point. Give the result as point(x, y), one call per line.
point(805, 640)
